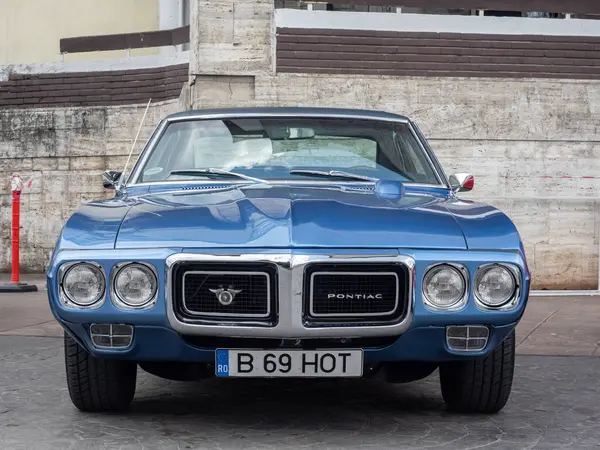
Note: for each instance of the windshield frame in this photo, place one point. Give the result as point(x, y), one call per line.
point(136, 172)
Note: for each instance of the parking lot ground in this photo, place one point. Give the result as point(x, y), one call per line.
point(554, 404)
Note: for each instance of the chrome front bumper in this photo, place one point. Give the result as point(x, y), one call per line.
point(290, 322)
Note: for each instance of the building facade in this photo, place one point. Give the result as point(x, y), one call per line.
point(512, 98)
point(30, 30)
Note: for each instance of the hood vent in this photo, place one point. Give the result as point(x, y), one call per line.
point(358, 188)
point(206, 187)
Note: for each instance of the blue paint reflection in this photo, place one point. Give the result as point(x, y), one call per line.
point(388, 215)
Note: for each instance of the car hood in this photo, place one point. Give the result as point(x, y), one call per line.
point(286, 217)
point(267, 216)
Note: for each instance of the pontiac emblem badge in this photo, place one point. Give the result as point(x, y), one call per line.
point(225, 296)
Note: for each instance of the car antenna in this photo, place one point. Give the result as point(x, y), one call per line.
point(121, 183)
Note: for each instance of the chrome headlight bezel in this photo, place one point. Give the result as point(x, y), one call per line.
point(512, 300)
point(461, 302)
point(118, 299)
point(66, 300)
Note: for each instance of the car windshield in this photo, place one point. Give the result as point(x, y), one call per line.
point(288, 149)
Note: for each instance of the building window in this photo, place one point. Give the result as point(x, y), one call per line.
point(319, 5)
point(185, 12)
point(185, 19)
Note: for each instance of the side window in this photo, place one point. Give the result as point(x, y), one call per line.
point(415, 160)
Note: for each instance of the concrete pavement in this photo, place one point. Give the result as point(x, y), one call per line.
point(554, 405)
point(554, 402)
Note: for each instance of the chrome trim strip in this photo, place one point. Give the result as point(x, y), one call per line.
point(290, 324)
point(290, 114)
point(387, 313)
point(232, 315)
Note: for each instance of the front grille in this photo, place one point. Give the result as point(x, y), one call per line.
point(231, 294)
point(217, 291)
point(353, 292)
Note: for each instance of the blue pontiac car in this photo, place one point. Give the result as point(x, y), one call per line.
point(288, 242)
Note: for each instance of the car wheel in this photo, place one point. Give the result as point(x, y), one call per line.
point(480, 385)
point(97, 384)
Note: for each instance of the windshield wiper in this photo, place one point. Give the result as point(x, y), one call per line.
point(211, 171)
point(333, 174)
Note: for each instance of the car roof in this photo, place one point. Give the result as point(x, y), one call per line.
point(287, 112)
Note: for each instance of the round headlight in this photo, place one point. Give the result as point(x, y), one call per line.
point(83, 284)
point(135, 285)
point(444, 286)
point(495, 285)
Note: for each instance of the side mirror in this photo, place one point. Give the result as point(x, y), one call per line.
point(110, 179)
point(462, 182)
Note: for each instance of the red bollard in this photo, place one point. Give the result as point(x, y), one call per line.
point(16, 187)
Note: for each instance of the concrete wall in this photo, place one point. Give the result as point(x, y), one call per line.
point(532, 144)
point(63, 151)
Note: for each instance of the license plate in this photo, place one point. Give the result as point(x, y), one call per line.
point(289, 363)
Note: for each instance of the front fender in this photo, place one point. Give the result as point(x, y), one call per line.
point(484, 227)
point(94, 225)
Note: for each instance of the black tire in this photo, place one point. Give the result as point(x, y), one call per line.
point(480, 385)
point(96, 384)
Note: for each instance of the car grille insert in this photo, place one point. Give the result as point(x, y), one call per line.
point(335, 294)
point(354, 293)
point(217, 291)
point(227, 294)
